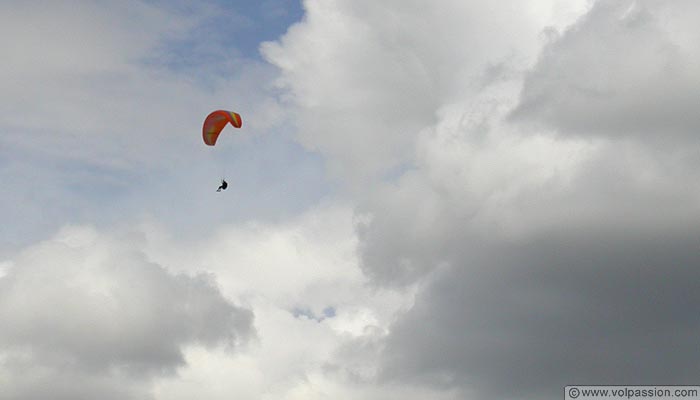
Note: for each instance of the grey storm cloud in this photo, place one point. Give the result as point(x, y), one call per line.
point(526, 319)
point(601, 285)
point(90, 306)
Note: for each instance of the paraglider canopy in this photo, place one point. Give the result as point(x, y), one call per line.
point(215, 123)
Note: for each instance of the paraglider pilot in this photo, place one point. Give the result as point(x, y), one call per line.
point(223, 186)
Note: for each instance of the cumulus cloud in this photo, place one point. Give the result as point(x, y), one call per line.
point(367, 76)
point(91, 306)
point(548, 224)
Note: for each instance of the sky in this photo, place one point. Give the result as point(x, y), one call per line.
point(452, 199)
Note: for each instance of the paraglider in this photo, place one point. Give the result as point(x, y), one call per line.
point(215, 122)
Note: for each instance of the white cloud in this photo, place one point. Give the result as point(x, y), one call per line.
point(87, 304)
point(367, 76)
point(308, 262)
